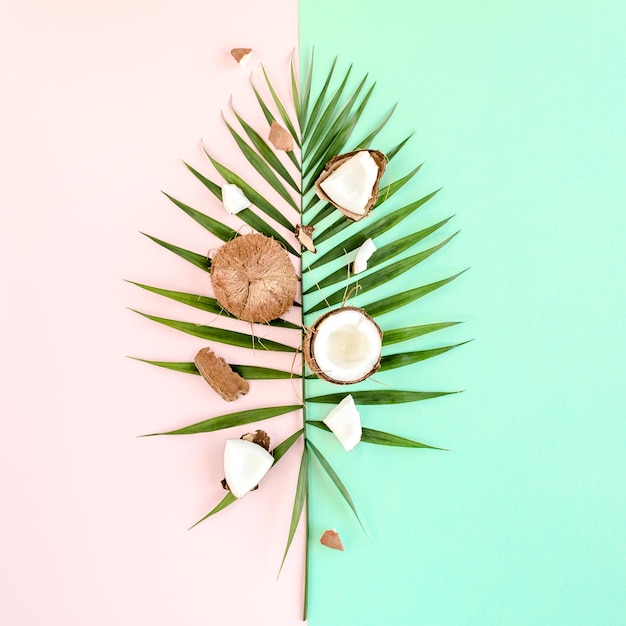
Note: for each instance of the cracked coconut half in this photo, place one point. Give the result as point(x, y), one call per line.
point(350, 182)
point(253, 278)
point(344, 346)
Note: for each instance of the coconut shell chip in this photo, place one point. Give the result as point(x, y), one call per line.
point(331, 539)
point(304, 234)
point(220, 375)
point(335, 163)
point(280, 137)
point(240, 54)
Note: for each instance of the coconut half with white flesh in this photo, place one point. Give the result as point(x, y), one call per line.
point(245, 464)
point(350, 182)
point(345, 422)
point(343, 346)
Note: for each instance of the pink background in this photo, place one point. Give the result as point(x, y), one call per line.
point(100, 102)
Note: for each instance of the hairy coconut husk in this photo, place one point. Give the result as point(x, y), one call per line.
point(331, 539)
point(334, 163)
point(280, 137)
point(253, 278)
point(309, 343)
point(261, 438)
point(220, 375)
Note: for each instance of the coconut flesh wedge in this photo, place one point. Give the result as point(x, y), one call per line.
point(363, 255)
point(233, 199)
point(245, 464)
point(345, 422)
point(350, 182)
point(344, 346)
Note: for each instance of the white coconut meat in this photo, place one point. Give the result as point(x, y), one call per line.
point(347, 345)
point(363, 255)
point(345, 422)
point(245, 464)
point(351, 185)
point(234, 199)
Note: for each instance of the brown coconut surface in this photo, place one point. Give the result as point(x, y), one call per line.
point(220, 375)
point(380, 160)
point(253, 278)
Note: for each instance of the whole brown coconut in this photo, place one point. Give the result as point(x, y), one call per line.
point(253, 278)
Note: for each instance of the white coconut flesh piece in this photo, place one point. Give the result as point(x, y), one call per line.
point(351, 185)
point(234, 199)
point(245, 464)
point(347, 345)
point(345, 422)
point(363, 255)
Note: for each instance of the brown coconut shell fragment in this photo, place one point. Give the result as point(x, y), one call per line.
point(220, 375)
point(331, 539)
point(241, 54)
point(280, 137)
point(380, 160)
point(261, 438)
point(253, 278)
point(304, 234)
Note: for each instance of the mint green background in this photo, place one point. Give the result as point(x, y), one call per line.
point(519, 113)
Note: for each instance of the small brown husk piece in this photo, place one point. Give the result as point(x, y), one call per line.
point(241, 55)
point(331, 539)
point(280, 137)
point(304, 234)
point(335, 163)
point(253, 278)
point(220, 375)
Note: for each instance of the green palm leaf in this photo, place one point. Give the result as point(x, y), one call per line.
point(230, 337)
point(249, 372)
point(262, 167)
point(213, 226)
point(325, 138)
point(406, 297)
point(295, 96)
point(381, 438)
point(319, 101)
point(377, 396)
point(383, 276)
point(392, 361)
point(266, 152)
point(231, 419)
point(199, 260)
point(302, 487)
point(397, 335)
point(306, 92)
point(340, 140)
point(334, 478)
point(270, 118)
point(382, 255)
point(254, 196)
point(373, 230)
point(281, 109)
